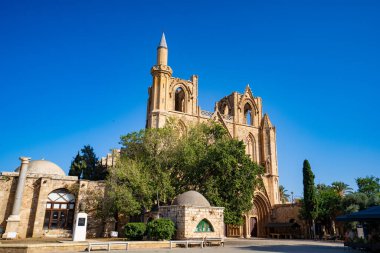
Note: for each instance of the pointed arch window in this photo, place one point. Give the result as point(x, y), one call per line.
point(248, 115)
point(204, 226)
point(250, 148)
point(179, 100)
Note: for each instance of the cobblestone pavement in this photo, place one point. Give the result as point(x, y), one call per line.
point(257, 246)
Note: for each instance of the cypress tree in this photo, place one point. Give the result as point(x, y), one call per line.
point(77, 166)
point(309, 196)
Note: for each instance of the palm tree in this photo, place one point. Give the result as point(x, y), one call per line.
point(341, 188)
point(284, 197)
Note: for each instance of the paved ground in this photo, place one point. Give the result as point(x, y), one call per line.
point(259, 246)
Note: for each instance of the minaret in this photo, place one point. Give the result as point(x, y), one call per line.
point(162, 52)
point(159, 91)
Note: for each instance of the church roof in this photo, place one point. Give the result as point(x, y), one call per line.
point(191, 198)
point(163, 41)
point(44, 167)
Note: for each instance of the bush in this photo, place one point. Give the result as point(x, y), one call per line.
point(135, 230)
point(161, 229)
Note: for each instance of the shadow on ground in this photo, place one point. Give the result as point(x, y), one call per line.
point(299, 248)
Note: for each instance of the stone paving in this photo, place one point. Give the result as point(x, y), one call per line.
point(258, 246)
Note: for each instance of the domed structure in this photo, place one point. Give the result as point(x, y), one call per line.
point(44, 167)
point(191, 198)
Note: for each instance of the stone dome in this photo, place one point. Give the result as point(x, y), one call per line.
point(44, 167)
point(191, 198)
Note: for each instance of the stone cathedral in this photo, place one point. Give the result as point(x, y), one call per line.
point(241, 114)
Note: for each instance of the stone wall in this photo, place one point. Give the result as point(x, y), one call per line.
point(35, 196)
point(285, 213)
point(187, 218)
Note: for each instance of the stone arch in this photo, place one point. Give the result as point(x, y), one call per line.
point(262, 208)
point(251, 148)
point(182, 129)
point(179, 99)
point(248, 114)
point(204, 225)
point(59, 209)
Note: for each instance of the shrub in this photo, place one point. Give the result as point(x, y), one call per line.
point(135, 230)
point(161, 229)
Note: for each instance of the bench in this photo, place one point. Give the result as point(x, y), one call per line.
point(91, 245)
point(210, 241)
point(273, 235)
point(186, 243)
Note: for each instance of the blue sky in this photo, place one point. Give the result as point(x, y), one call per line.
point(77, 72)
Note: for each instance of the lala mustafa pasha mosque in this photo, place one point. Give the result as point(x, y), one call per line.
point(37, 199)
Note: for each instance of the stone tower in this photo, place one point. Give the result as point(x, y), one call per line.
point(242, 116)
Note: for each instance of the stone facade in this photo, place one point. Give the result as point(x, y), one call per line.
point(34, 202)
point(241, 114)
point(194, 216)
point(187, 218)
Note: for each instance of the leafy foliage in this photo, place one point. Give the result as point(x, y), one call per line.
point(204, 159)
point(77, 166)
point(135, 230)
point(129, 187)
point(369, 185)
point(161, 229)
point(86, 165)
point(309, 207)
point(284, 197)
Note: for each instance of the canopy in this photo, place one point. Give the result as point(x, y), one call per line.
point(369, 214)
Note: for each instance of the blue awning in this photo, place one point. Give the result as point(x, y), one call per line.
point(369, 214)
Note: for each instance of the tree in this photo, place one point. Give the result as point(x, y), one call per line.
point(86, 165)
point(309, 207)
point(341, 188)
point(129, 188)
point(284, 197)
point(90, 159)
point(212, 163)
point(77, 166)
point(328, 202)
point(369, 185)
point(204, 159)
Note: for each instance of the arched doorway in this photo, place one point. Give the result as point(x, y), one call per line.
point(261, 210)
point(253, 226)
point(59, 212)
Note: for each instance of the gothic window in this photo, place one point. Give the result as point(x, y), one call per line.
point(59, 210)
point(250, 147)
point(204, 226)
point(179, 100)
point(248, 116)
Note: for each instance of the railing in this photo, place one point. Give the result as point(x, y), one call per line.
point(206, 113)
point(228, 117)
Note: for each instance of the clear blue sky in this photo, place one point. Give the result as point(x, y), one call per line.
point(77, 72)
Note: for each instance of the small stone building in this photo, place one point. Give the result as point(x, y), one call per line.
point(194, 216)
point(39, 200)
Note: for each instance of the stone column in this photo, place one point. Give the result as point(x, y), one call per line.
point(14, 219)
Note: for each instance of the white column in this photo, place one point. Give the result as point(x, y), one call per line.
point(14, 219)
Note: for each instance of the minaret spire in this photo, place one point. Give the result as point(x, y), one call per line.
point(162, 52)
point(163, 42)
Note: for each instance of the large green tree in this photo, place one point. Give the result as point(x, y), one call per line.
point(204, 159)
point(129, 187)
point(309, 207)
point(328, 202)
